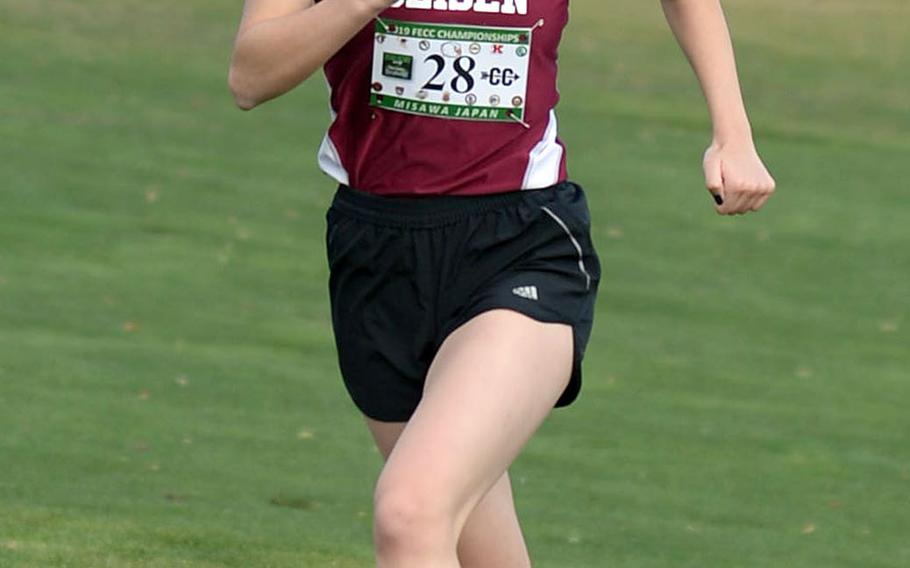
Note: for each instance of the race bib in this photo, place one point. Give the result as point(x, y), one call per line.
point(448, 71)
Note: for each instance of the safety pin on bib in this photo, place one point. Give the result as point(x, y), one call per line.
point(511, 115)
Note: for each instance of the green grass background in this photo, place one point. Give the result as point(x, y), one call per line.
point(169, 394)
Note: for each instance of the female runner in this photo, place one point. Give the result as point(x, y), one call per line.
point(462, 272)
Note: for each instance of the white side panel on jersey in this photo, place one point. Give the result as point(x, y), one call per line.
point(329, 159)
point(545, 160)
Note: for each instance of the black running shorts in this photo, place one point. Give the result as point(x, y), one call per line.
point(407, 271)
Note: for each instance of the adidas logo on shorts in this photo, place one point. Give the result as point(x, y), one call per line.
point(529, 292)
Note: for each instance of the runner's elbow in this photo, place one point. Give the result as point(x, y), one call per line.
point(253, 89)
point(244, 97)
point(244, 103)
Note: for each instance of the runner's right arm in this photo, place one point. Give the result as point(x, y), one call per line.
point(281, 43)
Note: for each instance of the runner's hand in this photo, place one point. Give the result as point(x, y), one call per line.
point(737, 178)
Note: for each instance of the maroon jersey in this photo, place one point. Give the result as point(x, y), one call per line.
point(448, 97)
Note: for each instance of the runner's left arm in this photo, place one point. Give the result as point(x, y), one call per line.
point(734, 172)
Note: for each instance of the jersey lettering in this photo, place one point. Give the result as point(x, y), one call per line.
point(482, 6)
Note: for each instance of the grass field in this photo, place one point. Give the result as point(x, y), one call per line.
point(169, 395)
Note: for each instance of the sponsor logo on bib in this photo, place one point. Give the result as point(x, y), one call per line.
point(482, 6)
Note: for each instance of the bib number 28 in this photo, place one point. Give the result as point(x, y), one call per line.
point(463, 81)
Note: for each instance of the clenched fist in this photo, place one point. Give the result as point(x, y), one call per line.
point(737, 178)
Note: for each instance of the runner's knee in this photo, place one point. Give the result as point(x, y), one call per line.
point(409, 516)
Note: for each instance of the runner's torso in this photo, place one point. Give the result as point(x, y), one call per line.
point(448, 97)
